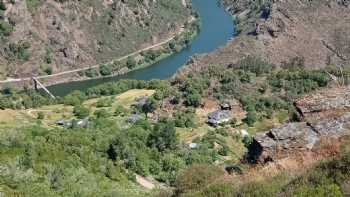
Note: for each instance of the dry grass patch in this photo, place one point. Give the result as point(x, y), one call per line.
point(51, 113)
point(128, 98)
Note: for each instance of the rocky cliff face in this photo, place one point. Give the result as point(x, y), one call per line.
point(316, 31)
point(326, 117)
point(39, 36)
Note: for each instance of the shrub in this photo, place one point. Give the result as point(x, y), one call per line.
point(131, 63)
point(255, 65)
point(75, 98)
point(193, 99)
point(81, 112)
point(48, 70)
point(197, 177)
point(251, 117)
point(105, 70)
point(5, 29)
point(41, 116)
point(185, 119)
point(149, 106)
point(163, 136)
point(218, 189)
point(91, 73)
point(120, 111)
point(102, 113)
point(104, 102)
point(18, 51)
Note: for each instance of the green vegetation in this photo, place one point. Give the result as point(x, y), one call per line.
point(18, 51)
point(146, 58)
point(2, 5)
point(261, 88)
point(5, 29)
point(105, 70)
point(185, 119)
point(32, 5)
point(111, 150)
point(329, 178)
point(81, 112)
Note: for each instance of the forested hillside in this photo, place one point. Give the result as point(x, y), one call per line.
point(47, 36)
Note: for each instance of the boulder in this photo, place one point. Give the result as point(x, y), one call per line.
point(219, 117)
point(279, 142)
point(294, 138)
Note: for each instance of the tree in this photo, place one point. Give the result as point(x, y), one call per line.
point(193, 99)
point(163, 136)
point(81, 112)
point(2, 5)
point(185, 119)
point(149, 106)
point(131, 63)
point(75, 98)
point(251, 117)
point(105, 70)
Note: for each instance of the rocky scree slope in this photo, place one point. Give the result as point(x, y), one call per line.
point(48, 36)
point(317, 32)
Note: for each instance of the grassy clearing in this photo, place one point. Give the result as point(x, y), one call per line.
point(125, 99)
point(51, 113)
point(128, 98)
point(187, 135)
point(266, 124)
point(15, 118)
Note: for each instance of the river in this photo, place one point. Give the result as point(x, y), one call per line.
point(216, 29)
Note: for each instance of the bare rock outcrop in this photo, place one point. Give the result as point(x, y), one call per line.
point(279, 142)
point(326, 117)
point(296, 138)
point(332, 99)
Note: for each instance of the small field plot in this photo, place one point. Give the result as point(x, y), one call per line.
point(13, 118)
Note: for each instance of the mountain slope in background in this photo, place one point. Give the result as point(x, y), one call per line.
point(45, 36)
point(315, 32)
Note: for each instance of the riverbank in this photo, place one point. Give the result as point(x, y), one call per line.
point(216, 29)
point(133, 62)
point(179, 39)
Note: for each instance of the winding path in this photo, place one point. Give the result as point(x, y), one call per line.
point(172, 37)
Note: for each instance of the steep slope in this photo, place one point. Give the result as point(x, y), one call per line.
point(315, 32)
point(49, 36)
